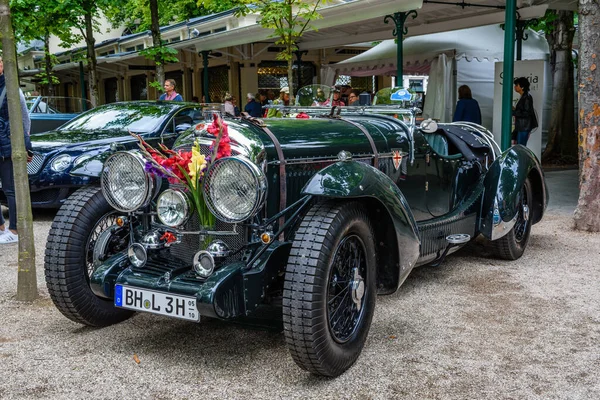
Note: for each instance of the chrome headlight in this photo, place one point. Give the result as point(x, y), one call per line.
point(61, 163)
point(81, 159)
point(234, 189)
point(125, 184)
point(173, 207)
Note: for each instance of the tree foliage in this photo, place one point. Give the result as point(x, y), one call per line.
point(288, 19)
point(35, 20)
point(135, 14)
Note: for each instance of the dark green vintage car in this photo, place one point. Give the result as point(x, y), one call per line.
point(315, 217)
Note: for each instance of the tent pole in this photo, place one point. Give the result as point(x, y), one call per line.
point(508, 72)
point(205, 75)
point(400, 30)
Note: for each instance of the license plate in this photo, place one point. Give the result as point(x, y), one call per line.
point(156, 302)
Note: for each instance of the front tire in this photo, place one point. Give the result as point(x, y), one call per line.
point(330, 289)
point(68, 262)
point(512, 245)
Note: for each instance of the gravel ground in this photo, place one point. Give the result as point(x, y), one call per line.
point(473, 328)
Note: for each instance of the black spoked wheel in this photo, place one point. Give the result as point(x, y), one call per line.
point(346, 288)
point(329, 293)
point(512, 245)
point(69, 260)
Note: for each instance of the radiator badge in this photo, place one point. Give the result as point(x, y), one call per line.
point(396, 158)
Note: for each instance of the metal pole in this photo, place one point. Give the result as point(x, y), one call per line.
point(205, 75)
point(399, 19)
point(508, 72)
point(299, 54)
point(520, 29)
point(82, 83)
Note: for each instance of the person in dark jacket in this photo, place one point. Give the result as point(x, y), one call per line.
point(467, 108)
point(9, 235)
point(253, 107)
point(525, 119)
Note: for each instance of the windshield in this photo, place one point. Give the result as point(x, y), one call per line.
point(134, 117)
point(57, 105)
point(313, 95)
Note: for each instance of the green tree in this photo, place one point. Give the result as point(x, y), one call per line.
point(288, 19)
point(559, 29)
point(26, 278)
point(35, 20)
point(142, 15)
point(587, 214)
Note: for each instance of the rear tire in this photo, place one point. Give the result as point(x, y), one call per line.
point(68, 262)
point(512, 245)
point(330, 290)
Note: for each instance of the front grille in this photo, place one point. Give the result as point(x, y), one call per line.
point(45, 196)
point(191, 244)
point(36, 164)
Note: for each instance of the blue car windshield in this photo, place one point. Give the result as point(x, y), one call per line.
point(134, 117)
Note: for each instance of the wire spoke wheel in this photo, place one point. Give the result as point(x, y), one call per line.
point(78, 226)
point(329, 290)
point(346, 288)
point(101, 226)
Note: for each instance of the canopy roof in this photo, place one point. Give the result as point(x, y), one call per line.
point(481, 43)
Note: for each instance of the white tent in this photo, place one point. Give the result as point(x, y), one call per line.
point(469, 56)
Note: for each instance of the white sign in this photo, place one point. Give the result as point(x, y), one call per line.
point(534, 72)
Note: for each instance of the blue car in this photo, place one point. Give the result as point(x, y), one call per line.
point(64, 158)
point(48, 113)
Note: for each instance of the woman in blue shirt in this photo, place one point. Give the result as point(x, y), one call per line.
point(467, 108)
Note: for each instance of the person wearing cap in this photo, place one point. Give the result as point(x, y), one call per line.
point(284, 99)
point(253, 107)
point(337, 101)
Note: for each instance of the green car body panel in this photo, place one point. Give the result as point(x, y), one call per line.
point(417, 195)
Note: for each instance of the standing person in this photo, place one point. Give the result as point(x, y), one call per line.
point(524, 113)
point(9, 235)
point(337, 100)
point(467, 108)
point(354, 98)
point(283, 100)
point(228, 104)
point(253, 107)
point(236, 109)
point(263, 99)
point(170, 93)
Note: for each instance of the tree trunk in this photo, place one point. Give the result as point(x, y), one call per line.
point(51, 91)
point(562, 138)
point(587, 214)
point(91, 55)
point(291, 80)
point(156, 41)
point(26, 278)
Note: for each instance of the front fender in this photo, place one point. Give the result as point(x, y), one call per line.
point(503, 182)
point(351, 179)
